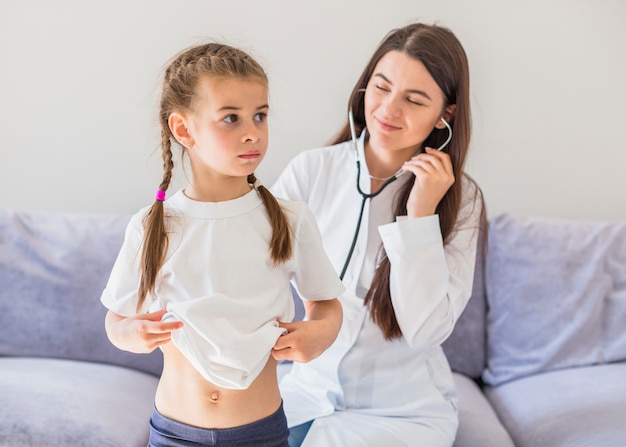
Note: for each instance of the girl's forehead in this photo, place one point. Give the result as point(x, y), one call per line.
point(231, 91)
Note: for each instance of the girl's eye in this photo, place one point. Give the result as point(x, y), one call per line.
point(383, 88)
point(413, 101)
point(260, 117)
point(231, 118)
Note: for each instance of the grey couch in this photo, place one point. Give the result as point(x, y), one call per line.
point(539, 353)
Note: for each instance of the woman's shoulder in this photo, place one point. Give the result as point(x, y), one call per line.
point(323, 154)
point(469, 185)
point(472, 203)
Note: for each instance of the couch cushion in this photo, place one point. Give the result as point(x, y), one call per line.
point(478, 423)
point(576, 407)
point(556, 291)
point(51, 403)
point(53, 268)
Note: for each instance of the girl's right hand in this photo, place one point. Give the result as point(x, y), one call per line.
point(141, 333)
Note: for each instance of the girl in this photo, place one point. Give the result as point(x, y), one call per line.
point(409, 268)
point(209, 268)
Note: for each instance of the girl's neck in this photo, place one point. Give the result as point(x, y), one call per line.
point(218, 191)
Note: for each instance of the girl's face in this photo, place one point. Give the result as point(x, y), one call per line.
point(228, 127)
point(403, 103)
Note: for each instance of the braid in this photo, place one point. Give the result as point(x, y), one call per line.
point(155, 237)
point(280, 244)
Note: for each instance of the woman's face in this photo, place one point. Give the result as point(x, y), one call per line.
point(403, 104)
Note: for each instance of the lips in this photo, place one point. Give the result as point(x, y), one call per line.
point(250, 155)
point(385, 125)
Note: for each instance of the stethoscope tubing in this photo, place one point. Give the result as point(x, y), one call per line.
point(364, 196)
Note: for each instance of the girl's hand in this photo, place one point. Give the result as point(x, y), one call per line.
point(433, 177)
point(141, 333)
point(307, 340)
point(304, 340)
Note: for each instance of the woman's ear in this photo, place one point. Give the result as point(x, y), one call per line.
point(179, 126)
point(448, 114)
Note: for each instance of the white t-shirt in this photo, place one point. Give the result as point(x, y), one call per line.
point(219, 279)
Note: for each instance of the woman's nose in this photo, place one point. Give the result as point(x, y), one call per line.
point(391, 105)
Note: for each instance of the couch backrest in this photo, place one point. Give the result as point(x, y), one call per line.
point(556, 292)
point(466, 346)
point(53, 268)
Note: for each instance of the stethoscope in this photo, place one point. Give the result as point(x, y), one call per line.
point(366, 196)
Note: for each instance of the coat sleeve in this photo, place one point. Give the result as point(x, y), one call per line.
point(431, 282)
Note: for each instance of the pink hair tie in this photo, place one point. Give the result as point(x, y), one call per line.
point(160, 195)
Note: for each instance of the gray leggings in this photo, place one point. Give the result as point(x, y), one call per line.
point(271, 431)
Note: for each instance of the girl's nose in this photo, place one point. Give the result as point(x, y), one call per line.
point(251, 134)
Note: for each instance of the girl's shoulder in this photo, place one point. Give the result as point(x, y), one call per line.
point(170, 209)
point(294, 209)
point(298, 213)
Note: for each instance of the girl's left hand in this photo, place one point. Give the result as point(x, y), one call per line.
point(304, 340)
point(433, 177)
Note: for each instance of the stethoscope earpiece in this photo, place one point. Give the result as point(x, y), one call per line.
point(445, 143)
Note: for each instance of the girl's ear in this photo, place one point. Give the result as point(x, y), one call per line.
point(180, 129)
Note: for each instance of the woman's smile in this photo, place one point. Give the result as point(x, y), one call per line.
point(386, 125)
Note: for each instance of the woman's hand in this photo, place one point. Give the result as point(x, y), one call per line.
point(140, 334)
point(433, 177)
point(307, 340)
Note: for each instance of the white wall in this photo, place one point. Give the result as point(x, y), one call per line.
point(79, 85)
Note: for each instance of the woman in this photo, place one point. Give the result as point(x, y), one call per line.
point(408, 269)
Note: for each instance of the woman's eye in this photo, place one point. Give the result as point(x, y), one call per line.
point(413, 101)
point(381, 87)
point(260, 117)
point(231, 118)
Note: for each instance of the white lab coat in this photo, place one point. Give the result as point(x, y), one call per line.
point(365, 391)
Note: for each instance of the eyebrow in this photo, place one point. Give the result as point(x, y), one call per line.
point(416, 91)
point(221, 109)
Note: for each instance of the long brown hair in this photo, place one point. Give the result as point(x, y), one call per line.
point(179, 92)
point(444, 57)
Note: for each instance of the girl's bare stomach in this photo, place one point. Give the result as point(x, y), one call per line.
point(185, 396)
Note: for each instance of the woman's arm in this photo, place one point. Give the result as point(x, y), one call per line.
point(432, 282)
